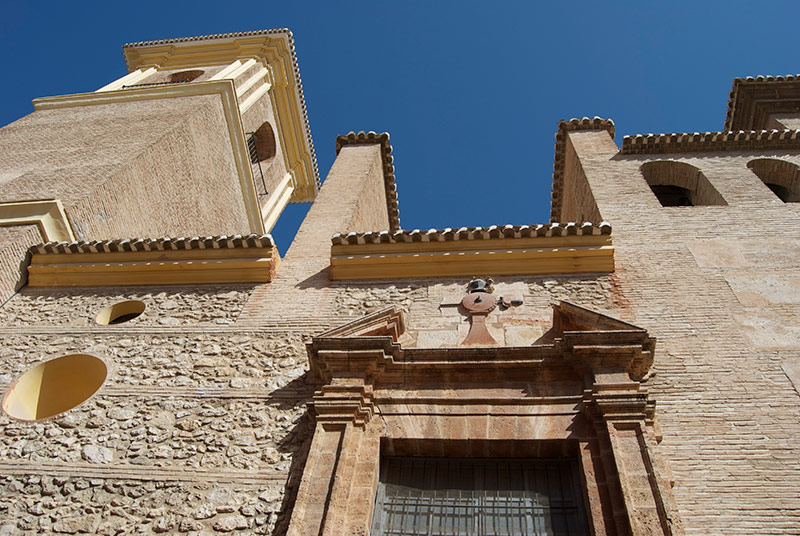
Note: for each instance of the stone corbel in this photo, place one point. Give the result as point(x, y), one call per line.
point(344, 401)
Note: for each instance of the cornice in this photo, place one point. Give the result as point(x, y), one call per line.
point(367, 138)
point(473, 233)
point(574, 124)
point(752, 140)
point(127, 245)
point(751, 98)
point(275, 47)
point(500, 250)
point(162, 261)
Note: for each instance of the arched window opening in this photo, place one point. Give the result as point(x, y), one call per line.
point(185, 76)
point(678, 184)
point(780, 176)
point(265, 142)
point(672, 196)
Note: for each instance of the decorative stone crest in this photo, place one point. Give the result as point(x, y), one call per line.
point(479, 302)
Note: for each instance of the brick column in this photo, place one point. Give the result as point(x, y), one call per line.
point(303, 275)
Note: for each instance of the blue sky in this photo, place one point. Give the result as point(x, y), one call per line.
point(471, 92)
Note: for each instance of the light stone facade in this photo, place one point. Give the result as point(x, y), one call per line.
point(265, 408)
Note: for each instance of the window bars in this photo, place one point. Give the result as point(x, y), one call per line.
point(261, 186)
point(479, 497)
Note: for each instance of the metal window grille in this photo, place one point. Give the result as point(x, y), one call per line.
point(151, 84)
point(478, 497)
point(261, 185)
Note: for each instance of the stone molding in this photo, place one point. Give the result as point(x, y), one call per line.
point(276, 47)
point(574, 124)
point(367, 138)
point(508, 250)
point(47, 214)
point(611, 419)
point(753, 99)
point(166, 261)
point(753, 140)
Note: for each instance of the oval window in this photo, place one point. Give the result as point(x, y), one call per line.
point(54, 387)
point(120, 312)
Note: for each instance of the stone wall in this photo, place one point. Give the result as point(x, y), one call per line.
point(164, 305)
point(193, 429)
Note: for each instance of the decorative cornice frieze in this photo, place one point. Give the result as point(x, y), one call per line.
point(500, 250)
point(574, 124)
point(753, 140)
point(174, 261)
point(365, 138)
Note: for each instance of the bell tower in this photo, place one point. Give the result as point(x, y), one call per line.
point(204, 136)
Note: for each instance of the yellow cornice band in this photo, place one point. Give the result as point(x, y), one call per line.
point(530, 256)
point(178, 267)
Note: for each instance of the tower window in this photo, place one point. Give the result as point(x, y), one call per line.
point(678, 184)
point(265, 147)
point(185, 76)
point(780, 176)
point(438, 496)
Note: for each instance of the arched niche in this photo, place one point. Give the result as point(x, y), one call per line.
point(780, 176)
point(266, 148)
point(185, 76)
point(678, 184)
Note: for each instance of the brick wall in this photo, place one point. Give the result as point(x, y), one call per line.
point(142, 169)
point(716, 286)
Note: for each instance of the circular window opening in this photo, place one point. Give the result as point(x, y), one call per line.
point(120, 312)
point(185, 76)
point(54, 387)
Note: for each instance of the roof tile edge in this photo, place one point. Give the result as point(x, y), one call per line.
point(473, 233)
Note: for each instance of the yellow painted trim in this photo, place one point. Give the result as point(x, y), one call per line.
point(177, 267)
point(261, 74)
point(253, 97)
point(276, 202)
point(275, 51)
point(128, 79)
point(227, 70)
point(48, 214)
point(227, 93)
point(531, 256)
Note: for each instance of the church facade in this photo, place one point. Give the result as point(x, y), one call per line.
point(631, 367)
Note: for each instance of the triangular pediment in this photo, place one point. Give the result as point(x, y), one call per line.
point(385, 322)
point(570, 317)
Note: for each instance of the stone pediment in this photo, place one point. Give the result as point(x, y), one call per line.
point(388, 321)
point(586, 340)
